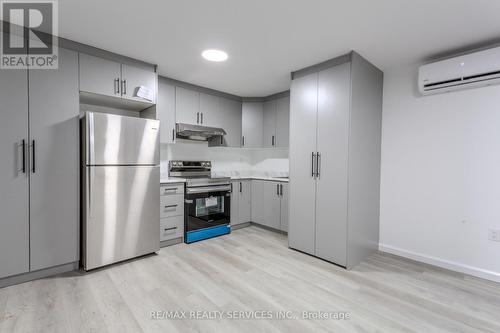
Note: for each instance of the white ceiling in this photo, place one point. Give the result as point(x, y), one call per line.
point(266, 40)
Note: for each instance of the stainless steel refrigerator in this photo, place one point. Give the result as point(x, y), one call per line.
point(120, 188)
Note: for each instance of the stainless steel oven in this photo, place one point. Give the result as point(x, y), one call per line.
point(207, 201)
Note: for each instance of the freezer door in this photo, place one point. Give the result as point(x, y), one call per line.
point(119, 140)
point(122, 213)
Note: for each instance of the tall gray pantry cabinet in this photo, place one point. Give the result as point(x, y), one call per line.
point(335, 136)
point(39, 170)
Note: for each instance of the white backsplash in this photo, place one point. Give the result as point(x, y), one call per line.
point(228, 161)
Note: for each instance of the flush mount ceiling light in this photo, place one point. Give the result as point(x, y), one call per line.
point(214, 55)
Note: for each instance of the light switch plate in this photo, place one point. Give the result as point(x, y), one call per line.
point(494, 235)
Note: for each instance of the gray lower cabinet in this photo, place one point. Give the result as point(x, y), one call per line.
point(252, 121)
point(284, 208)
point(245, 201)
point(335, 135)
point(257, 201)
point(171, 211)
point(269, 124)
point(54, 180)
point(269, 204)
point(14, 202)
point(165, 111)
point(40, 208)
point(241, 199)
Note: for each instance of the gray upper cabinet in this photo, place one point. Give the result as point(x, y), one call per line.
point(335, 135)
point(109, 78)
point(187, 109)
point(282, 121)
point(269, 124)
point(99, 76)
point(165, 111)
point(252, 121)
point(14, 226)
point(134, 78)
point(276, 123)
point(210, 110)
point(54, 180)
point(229, 118)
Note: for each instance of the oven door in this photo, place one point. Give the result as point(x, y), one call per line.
point(207, 208)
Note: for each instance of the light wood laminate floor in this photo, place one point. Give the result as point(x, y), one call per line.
point(253, 269)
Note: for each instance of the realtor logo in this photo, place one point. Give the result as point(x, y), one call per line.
point(28, 34)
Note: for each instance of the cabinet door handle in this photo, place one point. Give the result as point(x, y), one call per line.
point(124, 87)
point(24, 156)
point(173, 134)
point(202, 117)
point(33, 156)
point(241, 188)
point(243, 141)
point(313, 158)
point(278, 190)
point(117, 86)
point(197, 117)
point(318, 163)
point(281, 190)
point(272, 140)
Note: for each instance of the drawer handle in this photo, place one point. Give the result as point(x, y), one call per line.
point(171, 206)
point(168, 229)
point(170, 189)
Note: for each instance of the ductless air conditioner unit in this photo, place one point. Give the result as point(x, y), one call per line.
point(467, 71)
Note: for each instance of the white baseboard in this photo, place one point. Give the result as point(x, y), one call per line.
point(451, 265)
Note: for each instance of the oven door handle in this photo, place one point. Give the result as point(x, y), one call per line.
point(208, 189)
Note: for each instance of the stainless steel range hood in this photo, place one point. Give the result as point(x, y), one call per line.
point(198, 133)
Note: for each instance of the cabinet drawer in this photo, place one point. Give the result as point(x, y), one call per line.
point(171, 227)
point(172, 205)
point(171, 189)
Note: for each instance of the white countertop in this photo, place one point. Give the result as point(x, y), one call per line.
point(172, 180)
point(274, 179)
point(236, 175)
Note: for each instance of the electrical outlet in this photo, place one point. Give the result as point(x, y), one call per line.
point(494, 235)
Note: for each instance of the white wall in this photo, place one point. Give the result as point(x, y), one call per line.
point(228, 161)
point(440, 187)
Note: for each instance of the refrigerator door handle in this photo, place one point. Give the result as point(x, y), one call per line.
point(90, 135)
point(90, 193)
